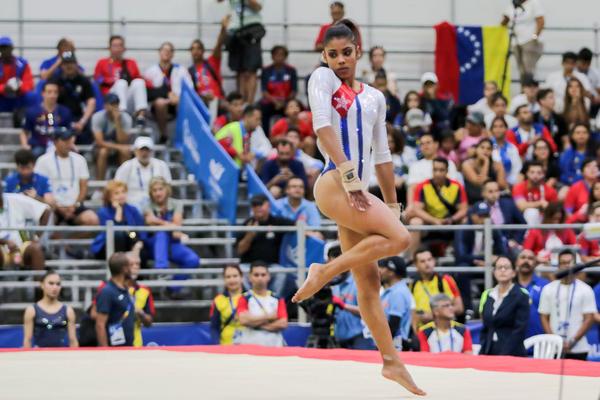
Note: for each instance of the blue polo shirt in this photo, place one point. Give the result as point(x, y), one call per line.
point(396, 301)
point(120, 308)
point(46, 64)
point(347, 325)
point(535, 290)
point(14, 184)
point(307, 212)
point(41, 125)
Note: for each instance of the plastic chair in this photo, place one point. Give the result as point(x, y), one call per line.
point(545, 346)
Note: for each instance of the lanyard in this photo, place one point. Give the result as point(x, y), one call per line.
point(439, 341)
point(72, 169)
point(565, 323)
point(233, 309)
point(139, 174)
point(258, 302)
point(166, 76)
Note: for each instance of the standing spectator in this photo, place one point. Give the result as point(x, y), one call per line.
point(139, 171)
point(470, 135)
point(533, 283)
point(484, 105)
point(68, 174)
point(336, 9)
point(279, 84)
point(579, 193)
point(376, 61)
point(554, 122)
point(16, 80)
point(528, 20)
point(396, 299)
point(571, 159)
point(480, 168)
point(504, 310)
point(436, 104)
point(590, 248)
point(296, 208)
point(52, 67)
point(504, 151)
point(234, 107)
point(164, 81)
point(115, 318)
point(277, 172)
point(142, 296)
point(235, 137)
point(255, 246)
point(244, 44)
point(533, 195)
point(544, 242)
point(499, 109)
point(224, 319)
point(558, 80)
point(49, 323)
point(584, 65)
point(122, 77)
point(111, 128)
point(43, 120)
point(542, 153)
point(76, 93)
point(567, 308)
point(27, 182)
point(443, 333)
point(392, 103)
point(262, 314)
point(525, 133)
point(294, 119)
point(577, 106)
point(530, 88)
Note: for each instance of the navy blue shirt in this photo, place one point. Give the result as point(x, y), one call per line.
point(120, 308)
point(271, 169)
point(40, 124)
point(50, 330)
point(14, 184)
point(535, 291)
point(347, 325)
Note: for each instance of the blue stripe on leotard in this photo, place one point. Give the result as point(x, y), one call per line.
point(360, 137)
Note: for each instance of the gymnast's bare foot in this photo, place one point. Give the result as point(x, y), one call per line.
point(397, 372)
point(314, 282)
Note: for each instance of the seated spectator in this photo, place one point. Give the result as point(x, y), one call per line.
point(504, 151)
point(429, 283)
point(533, 195)
point(436, 104)
point(504, 310)
point(292, 119)
point(503, 210)
point(68, 174)
point(122, 77)
point(499, 107)
point(526, 132)
point(533, 283)
point(296, 208)
point(336, 9)
point(543, 242)
point(279, 83)
point(415, 126)
point(235, 137)
point(43, 120)
point(443, 333)
point(470, 135)
point(224, 318)
point(376, 61)
point(480, 168)
point(167, 246)
point(391, 101)
point(577, 106)
point(262, 314)
point(396, 299)
point(27, 182)
point(448, 146)
point(590, 248)
point(584, 65)
point(412, 100)
point(312, 166)
point(557, 81)
point(571, 159)
point(437, 201)
point(255, 246)
point(554, 122)
point(52, 67)
point(49, 322)
point(117, 210)
point(484, 105)
point(579, 193)
point(139, 171)
point(234, 111)
point(581, 216)
point(111, 128)
point(529, 88)
point(542, 153)
point(276, 173)
point(164, 81)
point(76, 93)
point(20, 248)
point(16, 80)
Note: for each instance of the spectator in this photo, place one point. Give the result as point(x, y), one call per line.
point(16, 80)
point(52, 67)
point(293, 120)
point(115, 317)
point(296, 208)
point(558, 80)
point(144, 301)
point(48, 322)
point(448, 146)
point(470, 135)
point(279, 84)
point(443, 333)
point(117, 210)
point(528, 279)
point(528, 19)
point(533, 195)
point(122, 77)
point(111, 128)
point(415, 126)
point(542, 153)
point(504, 151)
point(27, 182)
point(68, 174)
point(234, 107)
point(224, 318)
point(392, 103)
point(76, 93)
point(530, 88)
point(584, 65)
point(582, 216)
point(579, 192)
point(567, 308)
point(571, 159)
point(164, 81)
point(312, 166)
point(480, 168)
point(438, 201)
point(139, 171)
point(484, 105)
point(43, 120)
point(590, 248)
point(436, 104)
point(262, 314)
point(277, 172)
point(235, 137)
point(504, 310)
point(503, 210)
point(577, 106)
point(428, 284)
point(244, 44)
point(376, 61)
point(396, 299)
point(499, 107)
point(337, 12)
point(554, 122)
point(255, 246)
point(412, 100)
point(544, 242)
point(524, 134)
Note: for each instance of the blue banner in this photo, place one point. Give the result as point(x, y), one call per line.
point(213, 168)
point(288, 252)
point(256, 186)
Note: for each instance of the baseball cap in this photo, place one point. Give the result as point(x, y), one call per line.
point(476, 117)
point(143, 142)
point(68, 56)
point(111, 98)
point(6, 41)
point(429, 77)
point(258, 200)
point(415, 118)
point(63, 133)
point(482, 208)
point(395, 263)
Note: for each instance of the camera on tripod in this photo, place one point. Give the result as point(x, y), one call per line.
point(321, 313)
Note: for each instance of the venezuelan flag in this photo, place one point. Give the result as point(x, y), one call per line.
point(468, 56)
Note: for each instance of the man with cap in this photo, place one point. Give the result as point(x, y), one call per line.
point(396, 299)
point(470, 135)
point(436, 104)
point(68, 174)
point(526, 132)
point(530, 88)
point(111, 128)
point(16, 80)
point(416, 124)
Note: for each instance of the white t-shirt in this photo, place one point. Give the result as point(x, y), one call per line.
point(509, 119)
point(64, 175)
point(481, 105)
point(558, 83)
point(19, 210)
point(423, 169)
point(525, 26)
point(154, 74)
point(261, 306)
point(566, 314)
point(138, 177)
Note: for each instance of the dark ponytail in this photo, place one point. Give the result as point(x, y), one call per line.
point(343, 29)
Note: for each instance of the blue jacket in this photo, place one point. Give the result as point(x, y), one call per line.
point(512, 215)
point(131, 217)
point(570, 165)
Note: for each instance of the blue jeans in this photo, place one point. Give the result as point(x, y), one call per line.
point(164, 249)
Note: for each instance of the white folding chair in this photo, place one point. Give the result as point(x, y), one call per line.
point(545, 346)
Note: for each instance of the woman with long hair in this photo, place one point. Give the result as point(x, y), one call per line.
point(577, 106)
point(480, 168)
point(582, 216)
point(349, 119)
point(505, 151)
point(223, 312)
point(542, 152)
point(571, 159)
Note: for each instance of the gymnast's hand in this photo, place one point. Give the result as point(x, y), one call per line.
point(353, 186)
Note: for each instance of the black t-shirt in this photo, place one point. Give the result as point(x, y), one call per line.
point(73, 93)
point(265, 245)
